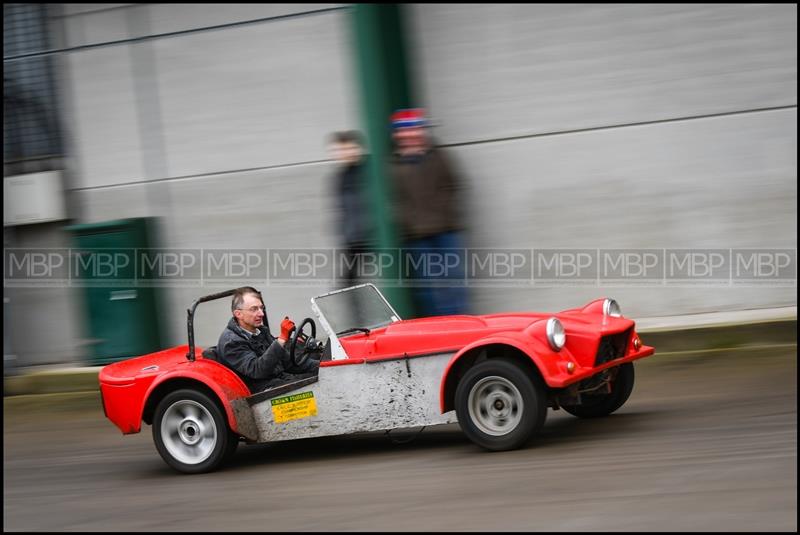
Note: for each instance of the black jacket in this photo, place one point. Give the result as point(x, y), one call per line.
point(355, 224)
point(254, 358)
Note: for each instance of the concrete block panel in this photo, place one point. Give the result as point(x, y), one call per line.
point(96, 27)
point(32, 304)
point(105, 204)
point(167, 18)
point(104, 127)
point(726, 181)
point(495, 71)
point(60, 309)
point(78, 9)
point(234, 99)
point(716, 183)
point(284, 207)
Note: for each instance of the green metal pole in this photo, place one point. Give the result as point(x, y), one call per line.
point(383, 83)
point(400, 90)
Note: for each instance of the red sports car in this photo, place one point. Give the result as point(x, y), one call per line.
point(496, 375)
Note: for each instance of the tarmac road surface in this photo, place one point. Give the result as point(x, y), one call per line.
point(705, 443)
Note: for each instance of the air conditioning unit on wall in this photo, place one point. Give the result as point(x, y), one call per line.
point(33, 198)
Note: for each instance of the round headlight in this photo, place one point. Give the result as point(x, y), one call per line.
point(555, 334)
point(611, 308)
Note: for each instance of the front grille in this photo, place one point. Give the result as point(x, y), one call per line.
point(612, 346)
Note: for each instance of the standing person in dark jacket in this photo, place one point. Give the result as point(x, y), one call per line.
point(355, 221)
point(355, 228)
point(248, 348)
point(428, 197)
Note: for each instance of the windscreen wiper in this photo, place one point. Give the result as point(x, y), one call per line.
point(353, 330)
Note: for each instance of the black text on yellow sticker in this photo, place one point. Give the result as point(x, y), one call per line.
point(293, 407)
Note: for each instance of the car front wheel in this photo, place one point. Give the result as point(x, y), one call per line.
point(191, 433)
point(596, 405)
point(499, 406)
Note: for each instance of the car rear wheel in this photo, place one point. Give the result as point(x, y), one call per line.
point(191, 433)
point(499, 406)
point(593, 406)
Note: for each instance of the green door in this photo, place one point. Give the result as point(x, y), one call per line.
point(120, 302)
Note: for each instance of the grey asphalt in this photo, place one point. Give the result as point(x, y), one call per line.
point(706, 443)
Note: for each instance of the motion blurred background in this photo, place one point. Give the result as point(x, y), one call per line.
point(204, 127)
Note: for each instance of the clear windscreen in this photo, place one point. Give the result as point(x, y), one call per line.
point(359, 307)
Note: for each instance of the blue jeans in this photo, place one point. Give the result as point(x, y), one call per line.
point(436, 268)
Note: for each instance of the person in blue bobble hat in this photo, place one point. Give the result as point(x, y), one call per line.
point(427, 208)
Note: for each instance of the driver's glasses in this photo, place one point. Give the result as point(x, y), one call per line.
point(253, 309)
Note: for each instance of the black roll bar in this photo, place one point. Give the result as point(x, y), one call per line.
point(190, 318)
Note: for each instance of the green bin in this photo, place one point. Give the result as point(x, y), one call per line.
point(121, 301)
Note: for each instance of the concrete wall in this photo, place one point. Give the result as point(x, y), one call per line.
point(618, 126)
point(220, 133)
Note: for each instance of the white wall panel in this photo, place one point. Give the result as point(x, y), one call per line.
point(104, 126)
point(500, 70)
point(97, 27)
point(105, 204)
point(254, 96)
point(725, 182)
point(283, 207)
point(179, 17)
point(77, 9)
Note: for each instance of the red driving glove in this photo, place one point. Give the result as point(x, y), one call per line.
point(286, 328)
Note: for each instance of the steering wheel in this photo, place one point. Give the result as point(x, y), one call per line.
point(299, 357)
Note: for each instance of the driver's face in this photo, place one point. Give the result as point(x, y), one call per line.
point(251, 313)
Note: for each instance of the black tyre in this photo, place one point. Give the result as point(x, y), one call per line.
point(594, 406)
point(230, 450)
point(191, 432)
point(499, 406)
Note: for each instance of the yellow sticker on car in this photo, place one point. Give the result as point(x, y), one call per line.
point(294, 407)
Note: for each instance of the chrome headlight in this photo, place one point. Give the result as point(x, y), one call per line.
point(611, 308)
point(555, 334)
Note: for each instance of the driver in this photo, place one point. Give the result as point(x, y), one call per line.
point(247, 347)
